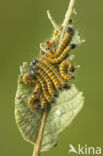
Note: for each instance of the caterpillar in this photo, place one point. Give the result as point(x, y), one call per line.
point(50, 74)
point(43, 101)
point(48, 82)
point(37, 89)
point(52, 42)
point(33, 102)
point(37, 102)
point(63, 45)
point(67, 39)
point(67, 63)
point(49, 44)
point(27, 80)
point(35, 96)
point(54, 70)
point(56, 32)
point(44, 88)
point(61, 57)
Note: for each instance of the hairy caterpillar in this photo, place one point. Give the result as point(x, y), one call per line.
point(49, 71)
point(37, 102)
point(62, 46)
point(48, 81)
point(28, 81)
point(43, 101)
point(54, 70)
point(44, 87)
point(37, 89)
point(67, 63)
point(32, 102)
point(61, 57)
point(50, 74)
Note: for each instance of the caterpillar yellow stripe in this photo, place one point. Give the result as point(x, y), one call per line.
point(37, 102)
point(43, 102)
point(32, 102)
point(44, 87)
point(47, 73)
point(37, 89)
point(64, 43)
point(58, 59)
point(48, 81)
point(62, 46)
point(54, 70)
point(50, 74)
point(63, 66)
point(27, 80)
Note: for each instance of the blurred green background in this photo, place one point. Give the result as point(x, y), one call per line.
point(23, 25)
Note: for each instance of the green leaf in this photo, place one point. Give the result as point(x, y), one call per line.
point(60, 115)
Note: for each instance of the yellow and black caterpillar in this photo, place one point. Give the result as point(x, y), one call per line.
point(49, 73)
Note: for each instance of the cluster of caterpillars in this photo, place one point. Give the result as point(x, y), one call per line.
point(49, 73)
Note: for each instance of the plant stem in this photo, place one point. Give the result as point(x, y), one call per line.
point(52, 20)
point(40, 135)
point(67, 18)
